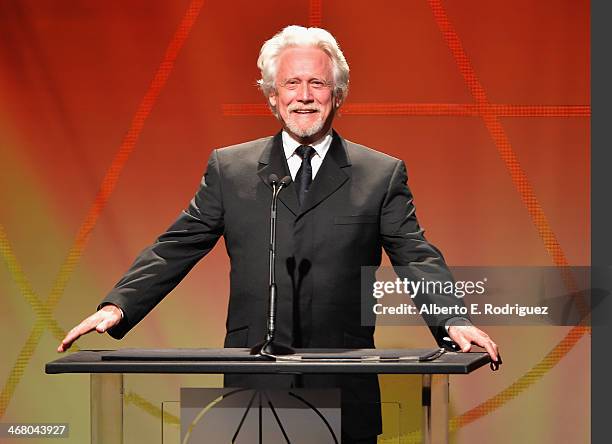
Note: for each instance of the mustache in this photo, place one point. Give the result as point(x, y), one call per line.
point(298, 107)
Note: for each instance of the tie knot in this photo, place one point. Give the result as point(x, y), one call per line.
point(305, 151)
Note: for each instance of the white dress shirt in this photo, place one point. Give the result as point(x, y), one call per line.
point(294, 161)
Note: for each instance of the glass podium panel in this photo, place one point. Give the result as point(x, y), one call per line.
point(136, 408)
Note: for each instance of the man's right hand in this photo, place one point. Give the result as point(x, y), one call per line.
point(105, 318)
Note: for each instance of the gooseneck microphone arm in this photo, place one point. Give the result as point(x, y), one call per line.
point(268, 347)
point(276, 189)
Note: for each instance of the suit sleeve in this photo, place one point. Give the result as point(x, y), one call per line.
point(161, 266)
point(412, 256)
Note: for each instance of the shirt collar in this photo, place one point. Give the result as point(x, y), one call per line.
point(321, 146)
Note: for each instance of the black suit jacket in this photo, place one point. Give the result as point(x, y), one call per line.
point(358, 204)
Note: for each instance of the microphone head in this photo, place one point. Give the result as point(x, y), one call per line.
point(272, 179)
point(285, 181)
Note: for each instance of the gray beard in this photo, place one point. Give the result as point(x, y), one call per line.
point(307, 132)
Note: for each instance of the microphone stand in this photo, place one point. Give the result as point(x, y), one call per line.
point(269, 347)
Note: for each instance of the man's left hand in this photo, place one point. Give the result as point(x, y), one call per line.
point(465, 336)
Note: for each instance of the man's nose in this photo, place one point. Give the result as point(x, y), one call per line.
point(305, 93)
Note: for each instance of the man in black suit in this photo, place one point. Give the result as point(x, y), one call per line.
point(346, 203)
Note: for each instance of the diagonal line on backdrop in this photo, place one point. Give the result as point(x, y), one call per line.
point(493, 124)
point(496, 130)
point(510, 392)
point(428, 109)
point(42, 313)
point(527, 194)
point(127, 146)
point(528, 379)
point(25, 288)
point(106, 189)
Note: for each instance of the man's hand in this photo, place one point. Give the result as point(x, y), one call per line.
point(465, 336)
point(105, 318)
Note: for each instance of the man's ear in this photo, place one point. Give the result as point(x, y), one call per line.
point(272, 100)
point(338, 100)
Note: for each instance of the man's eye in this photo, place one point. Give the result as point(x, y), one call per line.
point(292, 84)
point(317, 84)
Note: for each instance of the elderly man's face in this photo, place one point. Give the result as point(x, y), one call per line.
point(304, 101)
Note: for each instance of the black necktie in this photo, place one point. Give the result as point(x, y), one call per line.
point(303, 179)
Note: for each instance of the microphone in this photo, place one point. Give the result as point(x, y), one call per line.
point(285, 181)
point(273, 181)
point(268, 347)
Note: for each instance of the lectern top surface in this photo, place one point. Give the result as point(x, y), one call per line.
point(380, 361)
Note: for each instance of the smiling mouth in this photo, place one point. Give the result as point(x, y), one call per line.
point(305, 111)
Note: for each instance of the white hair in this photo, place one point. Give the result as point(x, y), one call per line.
point(293, 36)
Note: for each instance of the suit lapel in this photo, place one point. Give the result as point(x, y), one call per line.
point(330, 176)
point(272, 161)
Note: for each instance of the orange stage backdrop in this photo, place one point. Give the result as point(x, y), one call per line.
point(109, 110)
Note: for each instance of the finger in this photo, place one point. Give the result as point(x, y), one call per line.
point(72, 336)
point(495, 351)
point(463, 343)
point(66, 343)
point(487, 344)
point(84, 327)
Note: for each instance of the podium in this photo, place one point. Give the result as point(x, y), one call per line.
point(107, 369)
